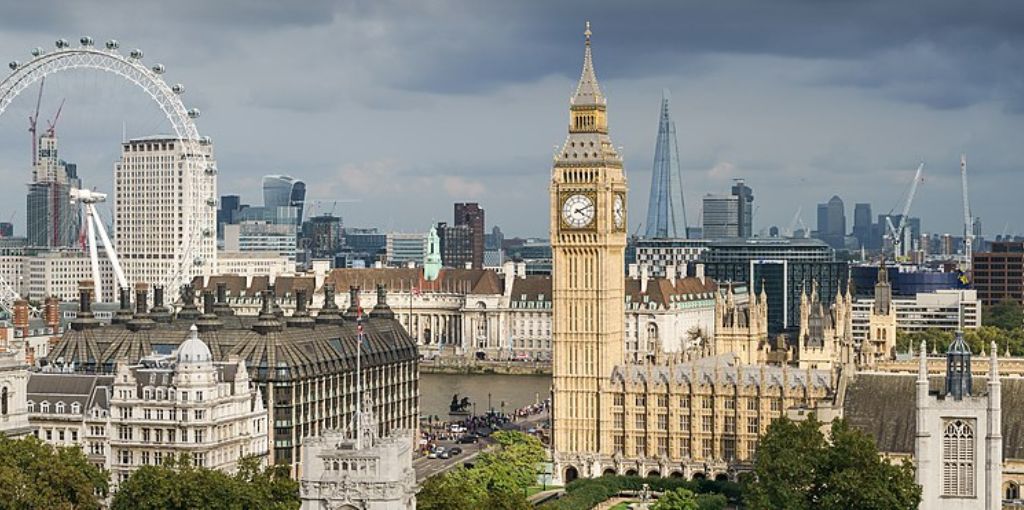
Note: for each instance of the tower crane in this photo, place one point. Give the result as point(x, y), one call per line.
point(897, 233)
point(792, 223)
point(968, 227)
point(32, 121)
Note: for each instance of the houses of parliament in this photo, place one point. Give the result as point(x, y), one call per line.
point(697, 413)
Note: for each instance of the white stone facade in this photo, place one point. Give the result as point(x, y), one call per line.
point(143, 414)
point(159, 209)
point(959, 443)
point(339, 473)
point(945, 310)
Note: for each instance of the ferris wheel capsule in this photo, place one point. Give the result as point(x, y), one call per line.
point(37, 51)
point(62, 43)
point(86, 41)
point(198, 261)
point(206, 140)
point(136, 54)
point(113, 44)
point(159, 69)
point(14, 65)
point(212, 202)
point(178, 89)
point(211, 169)
point(194, 113)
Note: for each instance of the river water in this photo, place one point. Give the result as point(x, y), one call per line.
point(515, 391)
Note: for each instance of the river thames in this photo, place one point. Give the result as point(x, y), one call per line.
point(515, 391)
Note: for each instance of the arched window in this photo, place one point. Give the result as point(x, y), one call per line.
point(76, 408)
point(3, 401)
point(44, 407)
point(60, 407)
point(31, 406)
point(958, 459)
point(1012, 491)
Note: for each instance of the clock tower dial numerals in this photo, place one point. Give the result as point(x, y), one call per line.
point(578, 211)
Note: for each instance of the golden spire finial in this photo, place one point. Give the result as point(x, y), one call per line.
point(587, 33)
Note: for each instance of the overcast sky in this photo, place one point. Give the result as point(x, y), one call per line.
point(399, 109)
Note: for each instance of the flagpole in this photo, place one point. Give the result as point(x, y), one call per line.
point(359, 374)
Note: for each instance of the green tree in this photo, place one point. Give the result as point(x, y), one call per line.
point(798, 469)
point(1006, 315)
point(498, 480)
point(177, 484)
point(679, 499)
point(36, 475)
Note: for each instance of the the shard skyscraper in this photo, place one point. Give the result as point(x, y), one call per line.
point(666, 213)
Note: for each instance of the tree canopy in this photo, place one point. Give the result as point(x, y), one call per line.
point(685, 499)
point(498, 479)
point(797, 468)
point(177, 484)
point(34, 474)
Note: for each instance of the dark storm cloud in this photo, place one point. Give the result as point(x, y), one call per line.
point(455, 99)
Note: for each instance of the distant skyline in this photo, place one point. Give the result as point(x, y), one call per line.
point(410, 107)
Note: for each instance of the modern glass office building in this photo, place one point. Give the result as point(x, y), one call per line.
point(784, 267)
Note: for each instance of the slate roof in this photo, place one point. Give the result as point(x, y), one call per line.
point(272, 349)
point(665, 291)
point(883, 405)
point(87, 390)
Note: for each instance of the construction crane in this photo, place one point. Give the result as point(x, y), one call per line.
point(968, 226)
point(895, 233)
point(51, 130)
point(792, 223)
point(32, 121)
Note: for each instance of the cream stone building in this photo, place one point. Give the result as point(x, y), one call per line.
point(166, 405)
point(496, 315)
point(682, 415)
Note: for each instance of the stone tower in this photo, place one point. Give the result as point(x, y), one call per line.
point(958, 443)
point(742, 330)
point(588, 240)
point(882, 322)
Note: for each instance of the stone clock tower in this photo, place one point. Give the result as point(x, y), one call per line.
point(588, 240)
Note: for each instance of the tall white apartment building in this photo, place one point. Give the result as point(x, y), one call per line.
point(55, 273)
point(165, 208)
point(944, 309)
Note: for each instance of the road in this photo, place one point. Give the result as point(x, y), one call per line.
point(426, 467)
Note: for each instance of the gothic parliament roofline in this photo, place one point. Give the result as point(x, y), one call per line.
point(588, 143)
point(722, 369)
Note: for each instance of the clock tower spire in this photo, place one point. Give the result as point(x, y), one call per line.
point(588, 240)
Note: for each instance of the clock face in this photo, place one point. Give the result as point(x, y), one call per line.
point(619, 211)
point(578, 211)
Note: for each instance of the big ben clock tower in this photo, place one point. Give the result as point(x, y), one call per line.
point(588, 240)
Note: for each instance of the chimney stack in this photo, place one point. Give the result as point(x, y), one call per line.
point(85, 319)
point(644, 275)
point(634, 271)
point(699, 273)
point(20, 318)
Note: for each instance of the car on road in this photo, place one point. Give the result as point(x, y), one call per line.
point(432, 455)
point(467, 439)
point(458, 429)
point(455, 450)
point(444, 455)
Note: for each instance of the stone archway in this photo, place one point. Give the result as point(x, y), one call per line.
point(631, 472)
point(608, 472)
point(676, 474)
point(722, 477)
point(699, 475)
point(571, 473)
point(654, 473)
